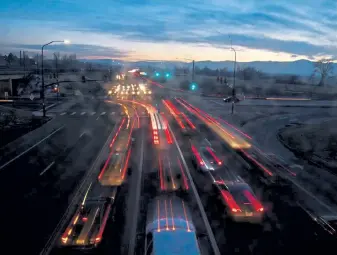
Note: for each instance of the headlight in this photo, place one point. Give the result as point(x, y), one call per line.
point(150, 92)
point(138, 93)
point(110, 92)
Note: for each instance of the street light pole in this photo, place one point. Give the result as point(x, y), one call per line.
point(57, 77)
point(234, 74)
point(42, 73)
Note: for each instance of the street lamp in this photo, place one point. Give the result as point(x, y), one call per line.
point(42, 73)
point(233, 88)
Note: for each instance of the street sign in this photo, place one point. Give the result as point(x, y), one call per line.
point(31, 97)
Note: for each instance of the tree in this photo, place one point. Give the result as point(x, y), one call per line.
point(9, 58)
point(7, 119)
point(324, 68)
point(57, 56)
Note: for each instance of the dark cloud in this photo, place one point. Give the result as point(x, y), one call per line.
point(187, 21)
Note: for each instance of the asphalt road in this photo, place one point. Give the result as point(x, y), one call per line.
point(263, 125)
point(282, 230)
point(36, 185)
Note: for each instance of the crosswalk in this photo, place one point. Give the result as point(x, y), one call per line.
point(83, 113)
point(91, 113)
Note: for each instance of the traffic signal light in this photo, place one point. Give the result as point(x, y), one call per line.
point(167, 75)
point(193, 86)
point(157, 74)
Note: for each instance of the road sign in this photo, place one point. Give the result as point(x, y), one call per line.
point(31, 97)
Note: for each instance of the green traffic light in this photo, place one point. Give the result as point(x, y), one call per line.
point(193, 86)
point(157, 74)
point(167, 75)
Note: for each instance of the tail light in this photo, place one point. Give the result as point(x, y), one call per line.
point(197, 155)
point(230, 201)
point(256, 204)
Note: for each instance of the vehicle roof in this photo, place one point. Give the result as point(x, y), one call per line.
point(169, 213)
point(177, 242)
point(237, 185)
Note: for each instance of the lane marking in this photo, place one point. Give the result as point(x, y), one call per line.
point(136, 209)
point(103, 113)
point(215, 102)
point(97, 118)
point(82, 113)
point(61, 224)
point(47, 168)
point(201, 208)
point(48, 107)
point(93, 113)
point(82, 134)
point(63, 113)
point(73, 113)
point(113, 113)
point(30, 148)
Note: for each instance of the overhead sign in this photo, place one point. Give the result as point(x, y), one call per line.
point(31, 97)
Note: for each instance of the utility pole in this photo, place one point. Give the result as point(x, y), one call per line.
point(234, 73)
point(24, 62)
point(42, 73)
point(193, 71)
point(57, 77)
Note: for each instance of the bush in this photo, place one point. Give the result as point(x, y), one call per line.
point(272, 91)
point(185, 85)
point(208, 86)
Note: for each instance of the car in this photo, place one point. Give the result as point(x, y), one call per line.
point(172, 181)
point(231, 99)
point(205, 157)
point(86, 227)
point(169, 228)
point(240, 201)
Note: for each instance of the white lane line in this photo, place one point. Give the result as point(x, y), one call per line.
point(79, 192)
point(93, 113)
point(201, 208)
point(73, 113)
point(216, 102)
point(97, 118)
point(136, 208)
point(48, 107)
point(30, 148)
point(103, 113)
point(47, 168)
point(63, 113)
point(82, 134)
point(82, 113)
point(312, 196)
point(113, 113)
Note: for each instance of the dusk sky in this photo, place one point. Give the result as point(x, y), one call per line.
point(173, 29)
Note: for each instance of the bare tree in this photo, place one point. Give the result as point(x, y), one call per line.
point(10, 58)
point(324, 68)
point(57, 57)
point(7, 119)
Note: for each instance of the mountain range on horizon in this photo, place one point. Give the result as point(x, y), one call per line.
point(300, 67)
